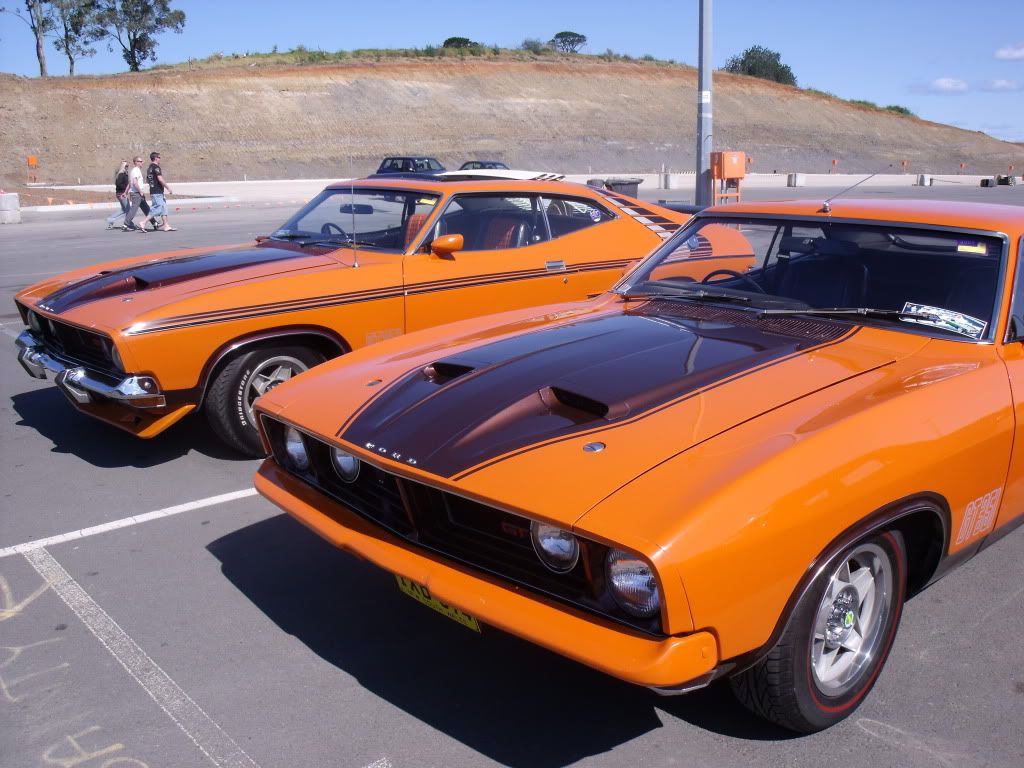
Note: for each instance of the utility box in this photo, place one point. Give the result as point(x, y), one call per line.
point(727, 170)
point(728, 165)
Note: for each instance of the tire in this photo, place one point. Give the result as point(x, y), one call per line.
point(229, 400)
point(835, 642)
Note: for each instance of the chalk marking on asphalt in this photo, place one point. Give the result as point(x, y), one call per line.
point(126, 522)
point(209, 737)
point(382, 763)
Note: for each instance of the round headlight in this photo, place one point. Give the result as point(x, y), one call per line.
point(633, 584)
point(557, 548)
point(115, 356)
point(345, 464)
point(34, 322)
point(295, 448)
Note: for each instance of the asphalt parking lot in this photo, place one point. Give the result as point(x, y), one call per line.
point(174, 618)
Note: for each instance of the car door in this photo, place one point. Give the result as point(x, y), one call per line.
point(1012, 502)
point(508, 261)
point(592, 245)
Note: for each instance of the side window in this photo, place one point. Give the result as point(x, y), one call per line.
point(1015, 331)
point(568, 214)
point(494, 222)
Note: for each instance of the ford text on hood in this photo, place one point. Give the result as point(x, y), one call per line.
point(739, 464)
point(141, 343)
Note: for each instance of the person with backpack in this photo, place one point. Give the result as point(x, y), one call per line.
point(120, 192)
point(136, 196)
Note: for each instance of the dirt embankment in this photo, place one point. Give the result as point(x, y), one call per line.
point(339, 120)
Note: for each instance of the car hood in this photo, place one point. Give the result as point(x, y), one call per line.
point(510, 419)
point(158, 281)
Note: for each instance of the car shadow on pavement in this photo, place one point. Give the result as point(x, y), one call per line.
point(52, 416)
point(514, 702)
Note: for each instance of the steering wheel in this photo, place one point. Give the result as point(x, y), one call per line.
point(747, 279)
point(329, 228)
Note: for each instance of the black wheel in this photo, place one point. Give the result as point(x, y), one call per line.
point(836, 641)
point(228, 403)
point(747, 279)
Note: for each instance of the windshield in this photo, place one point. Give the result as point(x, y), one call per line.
point(938, 280)
point(373, 218)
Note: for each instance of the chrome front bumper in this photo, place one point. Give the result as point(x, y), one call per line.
point(83, 386)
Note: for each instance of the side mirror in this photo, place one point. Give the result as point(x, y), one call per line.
point(446, 245)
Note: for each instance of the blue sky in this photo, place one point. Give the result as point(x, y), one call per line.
point(951, 61)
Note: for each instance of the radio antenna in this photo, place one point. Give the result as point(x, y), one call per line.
point(826, 206)
point(352, 234)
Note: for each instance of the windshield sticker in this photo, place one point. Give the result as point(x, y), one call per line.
point(946, 319)
point(595, 214)
point(426, 201)
point(971, 246)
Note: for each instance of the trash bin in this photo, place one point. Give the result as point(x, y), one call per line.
point(624, 185)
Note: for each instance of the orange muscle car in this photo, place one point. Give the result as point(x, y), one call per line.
point(142, 342)
point(707, 472)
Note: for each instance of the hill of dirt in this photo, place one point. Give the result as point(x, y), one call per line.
point(338, 120)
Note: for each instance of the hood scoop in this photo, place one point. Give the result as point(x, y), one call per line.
point(443, 371)
point(567, 403)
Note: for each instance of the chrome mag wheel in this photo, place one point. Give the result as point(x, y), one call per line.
point(267, 375)
point(852, 620)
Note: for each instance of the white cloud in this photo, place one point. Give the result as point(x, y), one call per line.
point(1002, 86)
point(1011, 53)
point(947, 85)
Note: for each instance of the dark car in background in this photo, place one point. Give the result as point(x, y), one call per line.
point(476, 165)
point(426, 165)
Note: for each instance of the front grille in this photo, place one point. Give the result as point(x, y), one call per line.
point(487, 539)
point(77, 344)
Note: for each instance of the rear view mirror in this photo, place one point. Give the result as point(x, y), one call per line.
point(446, 245)
point(356, 208)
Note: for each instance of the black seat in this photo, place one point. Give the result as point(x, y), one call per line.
point(973, 291)
point(824, 281)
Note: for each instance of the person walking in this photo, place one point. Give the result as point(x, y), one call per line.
point(121, 192)
point(135, 197)
point(158, 186)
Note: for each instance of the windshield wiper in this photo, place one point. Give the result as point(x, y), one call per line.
point(691, 294)
point(884, 314)
point(347, 241)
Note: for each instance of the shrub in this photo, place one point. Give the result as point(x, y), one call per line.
point(760, 62)
point(533, 45)
point(898, 110)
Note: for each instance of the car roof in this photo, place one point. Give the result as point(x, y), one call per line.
point(985, 216)
point(443, 185)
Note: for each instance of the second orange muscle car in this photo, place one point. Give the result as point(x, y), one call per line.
point(140, 343)
point(738, 464)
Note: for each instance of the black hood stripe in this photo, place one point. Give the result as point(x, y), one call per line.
point(559, 382)
point(156, 274)
point(651, 412)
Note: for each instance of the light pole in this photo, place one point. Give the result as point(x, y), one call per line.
point(704, 185)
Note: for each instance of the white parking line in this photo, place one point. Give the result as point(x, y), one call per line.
point(126, 522)
point(220, 748)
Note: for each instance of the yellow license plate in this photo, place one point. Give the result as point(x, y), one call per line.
point(422, 594)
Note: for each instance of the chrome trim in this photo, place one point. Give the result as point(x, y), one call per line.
point(82, 385)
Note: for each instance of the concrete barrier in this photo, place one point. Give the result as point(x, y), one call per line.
point(796, 180)
point(10, 208)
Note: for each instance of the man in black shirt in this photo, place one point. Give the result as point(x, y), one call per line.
point(158, 186)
